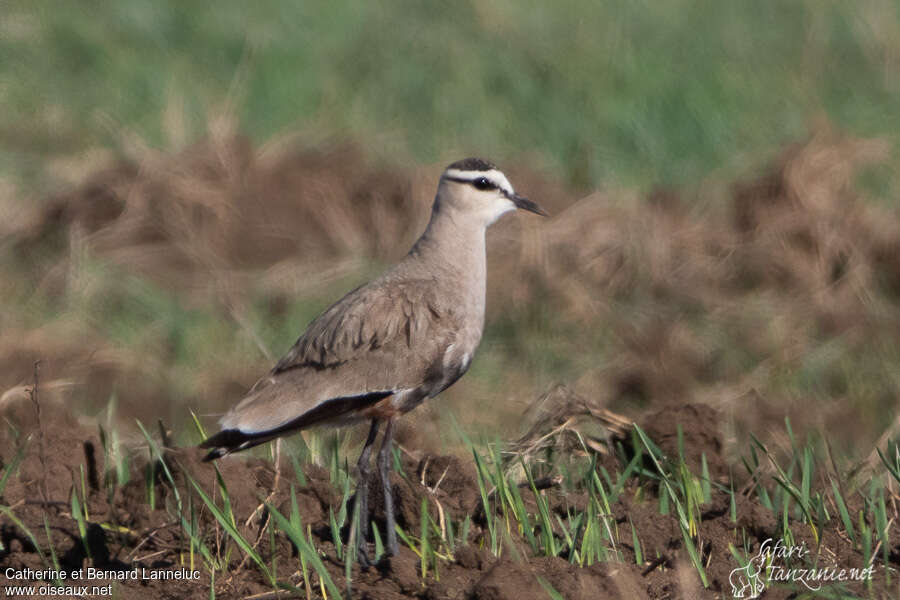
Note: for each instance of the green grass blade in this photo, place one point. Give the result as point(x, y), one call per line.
point(298, 470)
point(229, 526)
point(409, 541)
point(705, 480)
point(426, 545)
point(481, 473)
point(842, 509)
point(806, 477)
point(893, 469)
point(638, 553)
point(732, 504)
point(625, 477)
point(18, 523)
point(379, 544)
point(881, 525)
point(350, 553)
point(551, 591)
point(54, 559)
point(335, 534)
point(198, 426)
point(154, 447)
point(12, 467)
point(78, 515)
point(306, 550)
point(682, 515)
point(550, 548)
point(695, 557)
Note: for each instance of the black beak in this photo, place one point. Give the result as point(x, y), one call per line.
point(526, 204)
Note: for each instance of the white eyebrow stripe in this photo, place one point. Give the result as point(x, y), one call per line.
point(493, 175)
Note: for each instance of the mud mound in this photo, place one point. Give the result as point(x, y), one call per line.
point(701, 435)
point(799, 225)
point(221, 205)
point(711, 302)
point(805, 229)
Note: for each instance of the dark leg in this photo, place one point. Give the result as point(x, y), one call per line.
point(384, 469)
point(362, 494)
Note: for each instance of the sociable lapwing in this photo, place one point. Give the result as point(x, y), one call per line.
point(385, 347)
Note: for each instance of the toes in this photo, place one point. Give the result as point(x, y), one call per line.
point(363, 558)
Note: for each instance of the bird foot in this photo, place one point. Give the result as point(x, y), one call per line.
point(363, 559)
point(385, 563)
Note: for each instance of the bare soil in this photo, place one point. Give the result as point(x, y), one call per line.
point(136, 536)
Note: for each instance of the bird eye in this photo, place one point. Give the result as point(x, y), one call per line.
point(482, 183)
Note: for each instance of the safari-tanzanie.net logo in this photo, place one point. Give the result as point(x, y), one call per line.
point(773, 565)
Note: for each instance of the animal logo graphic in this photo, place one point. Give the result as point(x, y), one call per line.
point(746, 581)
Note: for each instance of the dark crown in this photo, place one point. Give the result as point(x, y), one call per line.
point(473, 164)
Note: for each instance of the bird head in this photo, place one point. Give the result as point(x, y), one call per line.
point(477, 187)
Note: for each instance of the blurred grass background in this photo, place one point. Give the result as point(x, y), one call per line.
point(625, 97)
point(608, 93)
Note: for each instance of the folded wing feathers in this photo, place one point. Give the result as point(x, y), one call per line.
point(365, 319)
point(232, 440)
point(403, 317)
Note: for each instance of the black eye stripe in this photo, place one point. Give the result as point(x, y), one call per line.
point(479, 183)
point(483, 183)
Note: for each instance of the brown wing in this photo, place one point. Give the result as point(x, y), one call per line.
point(384, 316)
point(388, 336)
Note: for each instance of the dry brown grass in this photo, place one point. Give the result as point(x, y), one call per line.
point(724, 304)
point(658, 300)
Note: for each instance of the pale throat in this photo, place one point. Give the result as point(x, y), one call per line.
point(500, 209)
point(454, 244)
